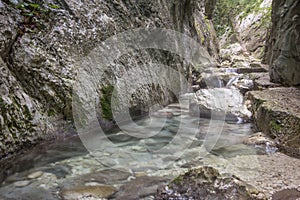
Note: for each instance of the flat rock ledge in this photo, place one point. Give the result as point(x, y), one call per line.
point(276, 112)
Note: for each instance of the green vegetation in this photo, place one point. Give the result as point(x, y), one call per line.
point(275, 126)
point(36, 14)
point(227, 10)
point(177, 180)
point(105, 102)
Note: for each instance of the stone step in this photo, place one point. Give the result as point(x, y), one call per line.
point(264, 82)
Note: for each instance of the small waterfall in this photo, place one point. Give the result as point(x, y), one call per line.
point(232, 81)
point(220, 82)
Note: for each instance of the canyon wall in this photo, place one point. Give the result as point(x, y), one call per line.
point(283, 52)
point(41, 42)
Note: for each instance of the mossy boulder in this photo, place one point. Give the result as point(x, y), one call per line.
point(206, 183)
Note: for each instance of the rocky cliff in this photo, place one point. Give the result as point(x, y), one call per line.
point(41, 42)
point(244, 22)
point(283, 53)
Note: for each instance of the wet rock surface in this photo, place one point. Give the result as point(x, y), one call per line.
point(84, 177)
point(90, 192)
point(143, 186)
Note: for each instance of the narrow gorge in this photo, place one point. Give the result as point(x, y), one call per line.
point(139, 99)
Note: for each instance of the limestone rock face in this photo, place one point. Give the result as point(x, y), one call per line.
point(253, 27)
point(283, 52)
point(39, 54)
point(244, 24)
point(276, 113)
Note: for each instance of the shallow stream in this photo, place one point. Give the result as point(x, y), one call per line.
point(178, 142)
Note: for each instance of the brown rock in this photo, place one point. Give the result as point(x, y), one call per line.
point(87, 191)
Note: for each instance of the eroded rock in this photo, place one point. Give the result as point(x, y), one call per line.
point(206, 183)
point(283, 44)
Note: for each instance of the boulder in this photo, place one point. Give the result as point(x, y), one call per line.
point(206, 183)
point(219, 103)
point(276, 112)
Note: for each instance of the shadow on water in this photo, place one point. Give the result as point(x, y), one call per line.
point(42, 155)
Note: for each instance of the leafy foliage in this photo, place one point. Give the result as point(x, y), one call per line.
point(227, 10)
point(36, 14)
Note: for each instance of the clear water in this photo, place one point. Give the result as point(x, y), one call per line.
point(68, 161)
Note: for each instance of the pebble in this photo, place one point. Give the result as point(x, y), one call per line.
point(35, 175)
point(21, 183)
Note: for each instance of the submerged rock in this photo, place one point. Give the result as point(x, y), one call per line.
point(262, 141)
point(21, 183)
point(206, 183)
point(258, 139)
point(139, 188)
point(90, 192)
point(35, 175)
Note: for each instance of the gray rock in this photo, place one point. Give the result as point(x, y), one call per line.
point(283, 44)
point(38, 60)
point(219, 103)
point(21, 183)
point(276, 113)
point(141, 187)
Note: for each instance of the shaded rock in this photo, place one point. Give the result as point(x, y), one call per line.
point(107, 177)
point(263, 82)
point(219, 103)
point(283, 50)
point(276, 112)
point(21, 183)
point(60, 171)
point(27, 193)
point(140, 187)
point(206, 183)
point(96, 192)
point(251, 70)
